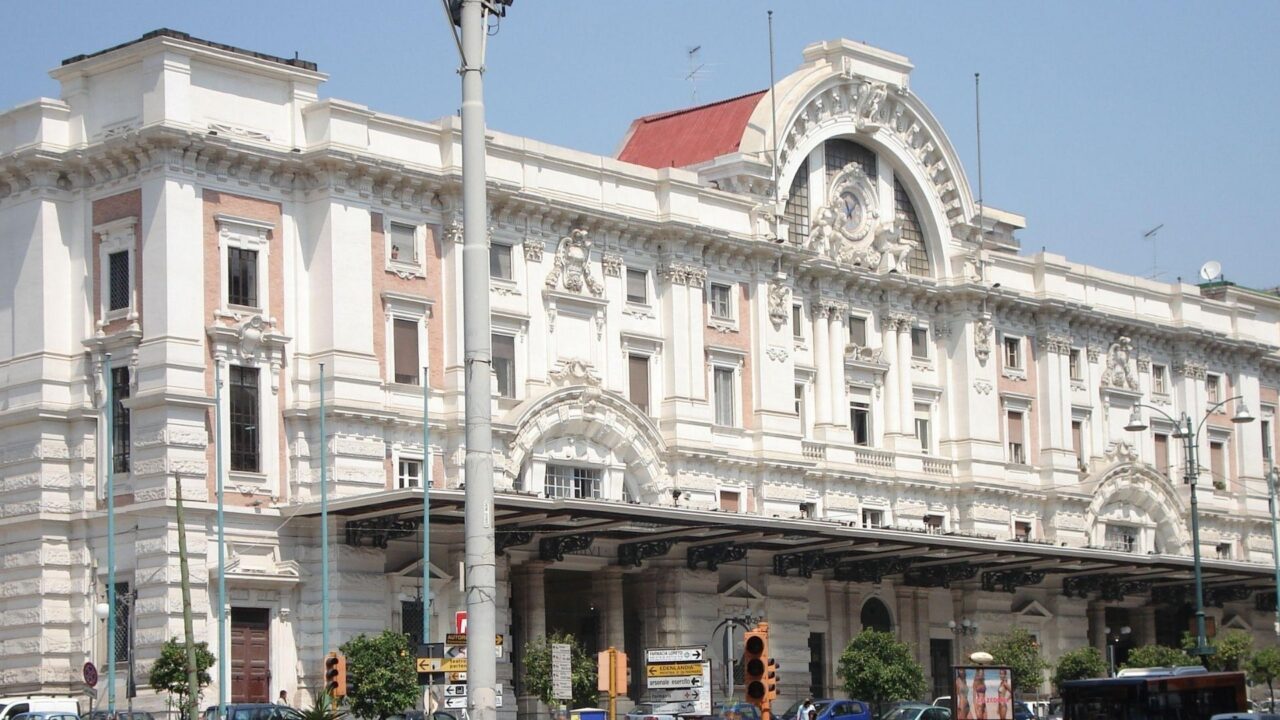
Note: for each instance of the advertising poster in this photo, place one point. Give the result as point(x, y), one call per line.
point(982, 692)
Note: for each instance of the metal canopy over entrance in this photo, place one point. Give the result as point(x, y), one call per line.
point(557, 527)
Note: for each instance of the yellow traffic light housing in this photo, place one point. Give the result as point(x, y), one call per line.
point(335, 675)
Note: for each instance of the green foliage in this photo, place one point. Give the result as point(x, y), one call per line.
point(1079, 664)
point(323, 709)
point(381, 677)
point(1157, 656)
point(1020, 651)
point(1264, 667)
point(1231, 650)
point(537, 670)
point(877, 668)
point(169, 673)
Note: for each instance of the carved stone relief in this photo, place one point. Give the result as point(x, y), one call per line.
point(570, 270)
point(983, 330)
point(779, 301)
point(1119, 372)
point(849, 229)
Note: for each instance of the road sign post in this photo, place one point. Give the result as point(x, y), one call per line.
point(561, 671)
point(682, 675)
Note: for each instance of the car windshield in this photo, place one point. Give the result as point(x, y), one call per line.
point(902, 713)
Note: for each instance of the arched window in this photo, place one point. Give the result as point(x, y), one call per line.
point(796, 213)
point(840, 152)
point(875, 616)
point(905, 213)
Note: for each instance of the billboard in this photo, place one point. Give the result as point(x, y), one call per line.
point(982, 692)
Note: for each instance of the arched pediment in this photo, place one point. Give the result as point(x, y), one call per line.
point(849, 89)
point(593, 415)
point(1141, 488)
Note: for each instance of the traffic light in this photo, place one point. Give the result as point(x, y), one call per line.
point(755, 656)
point(771, 668)
point(335, 675)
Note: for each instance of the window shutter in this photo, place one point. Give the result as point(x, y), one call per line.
point(1015, 427)
point(406, 351)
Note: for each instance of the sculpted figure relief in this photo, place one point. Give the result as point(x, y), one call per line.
point(1118, 373)
point(848, 229)
point(779, 301)
point(572, 255)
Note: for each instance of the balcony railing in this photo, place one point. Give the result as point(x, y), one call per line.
point(873, 458)
point(813, 450)
point(939, 466)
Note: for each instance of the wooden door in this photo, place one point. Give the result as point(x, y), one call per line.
point(250, 655)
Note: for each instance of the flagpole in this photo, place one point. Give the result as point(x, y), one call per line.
point(224, 662)
point(426, 509)
point(324, 527)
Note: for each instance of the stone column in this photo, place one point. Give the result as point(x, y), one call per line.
point(1098, 627)
point(839, 402)
point(821, 357)
point(889, 343)
point(1145, 627)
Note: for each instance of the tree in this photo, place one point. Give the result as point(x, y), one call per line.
point(169, 673)
point(1079, 664)
point(1021, 652)
point(1157, 656)
point(324, 708)
point(877, 668)
point(1264, 666)
point(537, 670)
point(1231, 650)
point(381, 677)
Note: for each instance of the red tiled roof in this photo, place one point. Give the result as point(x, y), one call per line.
point(685, 137)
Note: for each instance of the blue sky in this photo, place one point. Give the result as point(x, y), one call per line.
point(1100, 119)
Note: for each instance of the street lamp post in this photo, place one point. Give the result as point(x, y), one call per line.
point(1190, 437)
point(1273, 478)
point(1113, 639)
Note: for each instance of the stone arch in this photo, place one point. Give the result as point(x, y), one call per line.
point(596, 416)
point(875, 615)
point(1146, 490)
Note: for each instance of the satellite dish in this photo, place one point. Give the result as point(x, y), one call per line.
point(1211, 271)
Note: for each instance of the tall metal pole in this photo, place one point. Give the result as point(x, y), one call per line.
point(184, 577)
point(1273, 477)
point(224, 662)
point(426, 510)
point(324, 527)
point(1189, 442)
point(110, 452)
point(481, 585)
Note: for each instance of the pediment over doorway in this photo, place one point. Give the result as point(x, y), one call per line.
point(1033, 610)
point(742, 590)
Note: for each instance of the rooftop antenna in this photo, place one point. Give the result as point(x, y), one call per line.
point(977, 110)
point(694, 72)
point(1151, 235)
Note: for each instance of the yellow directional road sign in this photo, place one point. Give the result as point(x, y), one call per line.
point(435, 665)
point(675, 669)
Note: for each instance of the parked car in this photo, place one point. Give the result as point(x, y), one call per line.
point(736, 711)
point(12, 707)
point(254, 711)
point(46, 715)
point(1245, 716)
point(120, 715)
point(916, 711)
point(648, 711)
point(829, 709)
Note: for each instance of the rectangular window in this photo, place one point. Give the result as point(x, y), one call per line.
point(1213, 388)
point(1073, 362)
point(1162, 454)
point(724, 397)
point(638, 381)
point(1122, 537)
point(244, 419)
point(1159, 379)
point(860, 423)
point(1013, 353)
point(404, 243)
point(1017, 453)
point(729, 501)
point(919, 342)
point(797, 321)
point(578, 483)
point(120, 435)
point(922, 427)
point(1266, 441)
point(637, 286)
point(1022, 531)
point(1077, 440)
point(405, 349)
point(1224, 551)
point(504, 364)
point(799, 407)
point(872, 518)
point(500, 261)
point(933, 523)
point(1218, 462)
point(118, 290)
point(858, 331)
point(124, 602)
point(721, 299)
point(242, 277)
point(408, 473)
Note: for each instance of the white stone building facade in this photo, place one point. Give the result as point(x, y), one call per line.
point(852, 402)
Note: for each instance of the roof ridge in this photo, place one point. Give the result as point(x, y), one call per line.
point(681, 111)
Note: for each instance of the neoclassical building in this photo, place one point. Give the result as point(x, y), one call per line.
point(806, 379)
